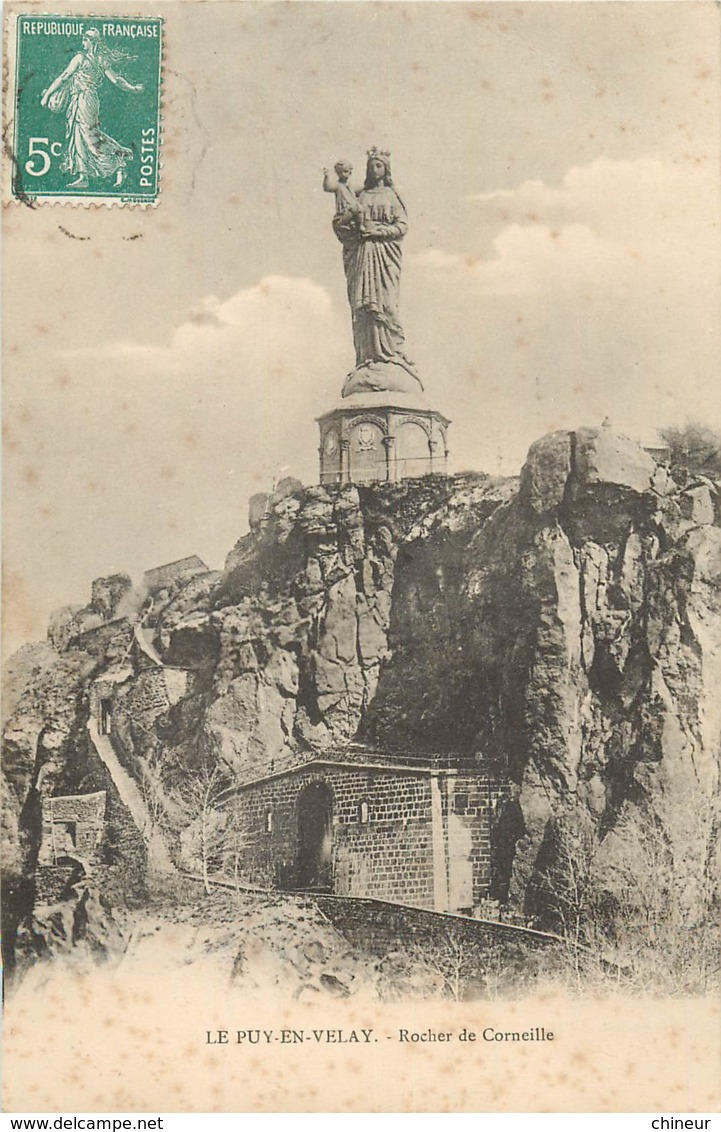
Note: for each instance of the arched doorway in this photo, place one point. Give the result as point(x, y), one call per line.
point(81, 871)
point(413, 451)
point(315, 838)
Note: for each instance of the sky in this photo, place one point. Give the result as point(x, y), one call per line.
point(559, 164)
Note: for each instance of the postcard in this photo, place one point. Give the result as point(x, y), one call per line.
point(362, 545)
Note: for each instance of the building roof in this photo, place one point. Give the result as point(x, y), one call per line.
point(77, 807)
point(356, 758)
point(170, 571)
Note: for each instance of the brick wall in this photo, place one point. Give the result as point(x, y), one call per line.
point(380, 928)
point(177, 682)
point(51, 881)
point(470, 802)
point(391, 854)
point(122, 853)
point(382, 833)
point(147, 694)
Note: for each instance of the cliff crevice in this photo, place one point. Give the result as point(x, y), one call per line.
point(563, 630)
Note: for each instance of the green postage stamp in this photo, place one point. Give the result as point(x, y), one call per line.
point(86, 108)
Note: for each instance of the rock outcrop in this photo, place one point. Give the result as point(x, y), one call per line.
point(564, 629)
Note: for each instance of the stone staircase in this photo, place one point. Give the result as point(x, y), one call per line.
point(131, 797)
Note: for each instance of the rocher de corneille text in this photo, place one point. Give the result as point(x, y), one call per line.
point(361, 1036)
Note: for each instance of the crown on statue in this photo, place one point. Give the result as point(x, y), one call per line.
point(383, 154)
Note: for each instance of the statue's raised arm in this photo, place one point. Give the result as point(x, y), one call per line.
point(347, 208)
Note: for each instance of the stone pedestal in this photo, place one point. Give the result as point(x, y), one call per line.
point(384, 436)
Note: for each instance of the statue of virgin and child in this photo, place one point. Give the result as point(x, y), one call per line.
point(370, 225)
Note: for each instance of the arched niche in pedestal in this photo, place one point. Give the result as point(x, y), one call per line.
point(331, 456)
point(367, 453)
point(413, 450)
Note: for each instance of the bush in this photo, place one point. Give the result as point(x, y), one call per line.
point(695, 450)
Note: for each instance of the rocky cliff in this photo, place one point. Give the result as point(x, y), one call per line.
point(564, 629)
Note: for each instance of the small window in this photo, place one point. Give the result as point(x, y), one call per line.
point(65, 837)
point(461, 803)
point(269, 822)
point(363, 813)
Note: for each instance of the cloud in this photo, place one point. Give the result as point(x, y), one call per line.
point(597, 297)
point(612, 194)
point(280, 323)
point(616, 226)
point(163, 445)
point(527, 256)
point(241, 369)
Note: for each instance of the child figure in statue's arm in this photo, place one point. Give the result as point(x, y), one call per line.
point(347, 207)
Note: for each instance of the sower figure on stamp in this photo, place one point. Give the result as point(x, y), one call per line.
point(90, 152)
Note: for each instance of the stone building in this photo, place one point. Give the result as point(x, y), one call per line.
point(171, 574)
point(72, 828)
point(367, 824)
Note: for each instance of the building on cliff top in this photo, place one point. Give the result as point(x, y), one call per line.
point(169, 574)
